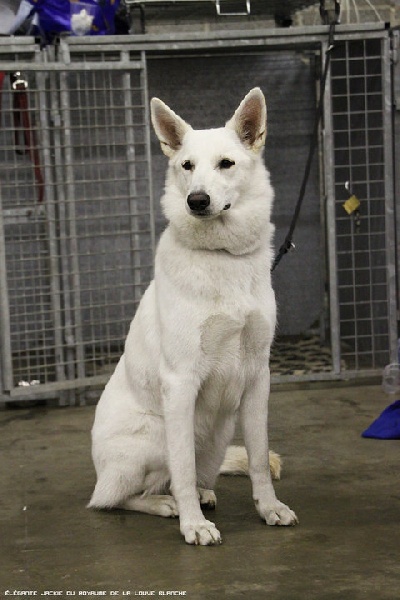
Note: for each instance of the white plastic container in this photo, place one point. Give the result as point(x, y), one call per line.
point(391, 379)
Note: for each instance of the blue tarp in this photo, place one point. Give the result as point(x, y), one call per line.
point(53, 17)
point(387, 425)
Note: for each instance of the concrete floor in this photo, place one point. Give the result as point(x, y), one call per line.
point(344, 489)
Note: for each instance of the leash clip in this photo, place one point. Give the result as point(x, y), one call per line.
point(289, 246)
point(286, 247)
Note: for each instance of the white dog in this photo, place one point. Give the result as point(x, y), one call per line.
point(197, 353)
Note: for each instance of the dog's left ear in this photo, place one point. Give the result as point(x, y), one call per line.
point(250, 120)
point(169, 127)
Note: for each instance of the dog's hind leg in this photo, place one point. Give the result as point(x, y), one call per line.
point(115, 485)
point(161, 505)
point(209, 460)
point(208, 499)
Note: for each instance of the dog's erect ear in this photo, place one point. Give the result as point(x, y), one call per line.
point(250, 120)
point(169, 128)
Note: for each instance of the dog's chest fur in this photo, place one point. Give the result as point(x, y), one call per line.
point(224, 338)
point(228, 303)
point(231, 353)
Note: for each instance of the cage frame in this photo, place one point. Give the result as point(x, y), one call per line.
point(134, 52)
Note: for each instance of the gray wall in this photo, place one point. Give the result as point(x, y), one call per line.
point(205, 91)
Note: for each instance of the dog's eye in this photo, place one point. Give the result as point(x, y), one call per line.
point(226, 163)
point(187, 165)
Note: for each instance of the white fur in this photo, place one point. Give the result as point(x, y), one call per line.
point(197, 353)
point(236, 462)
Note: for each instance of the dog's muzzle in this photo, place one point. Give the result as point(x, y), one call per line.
point(198, 202)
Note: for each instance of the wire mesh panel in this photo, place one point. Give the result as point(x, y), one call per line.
point(79, 259)
point(362, 168)
point(27, 271)
point(76, 219)
point(106, 222)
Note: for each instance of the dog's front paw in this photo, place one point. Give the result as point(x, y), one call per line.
point(277, 514)
point(203, 533)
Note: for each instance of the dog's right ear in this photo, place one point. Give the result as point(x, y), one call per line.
point(169, 128)
point(250, 120)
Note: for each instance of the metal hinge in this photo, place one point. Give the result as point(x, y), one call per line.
point(235, 13)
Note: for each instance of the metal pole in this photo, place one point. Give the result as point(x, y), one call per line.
point(330, 221)
point(390, 219)
point(146, 100)
point(54, 267)
point(76, 339)
point(5, 331)
point(132, 187)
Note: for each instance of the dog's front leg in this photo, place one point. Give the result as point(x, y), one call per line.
point(179, 398)
point(254, 420)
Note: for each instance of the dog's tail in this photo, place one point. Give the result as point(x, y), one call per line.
point(236, 462)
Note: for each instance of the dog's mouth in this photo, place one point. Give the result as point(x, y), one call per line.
point(207, 214)
point(203, 214)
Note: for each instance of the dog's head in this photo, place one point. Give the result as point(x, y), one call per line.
point(210, 169)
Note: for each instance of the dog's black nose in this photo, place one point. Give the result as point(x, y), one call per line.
point(198, 201)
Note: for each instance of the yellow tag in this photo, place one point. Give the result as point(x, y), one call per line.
point(351, 204)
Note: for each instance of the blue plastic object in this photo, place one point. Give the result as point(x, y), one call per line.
point(387, 425)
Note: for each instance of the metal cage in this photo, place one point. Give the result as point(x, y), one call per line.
point(75, 263)
point(359, 152)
